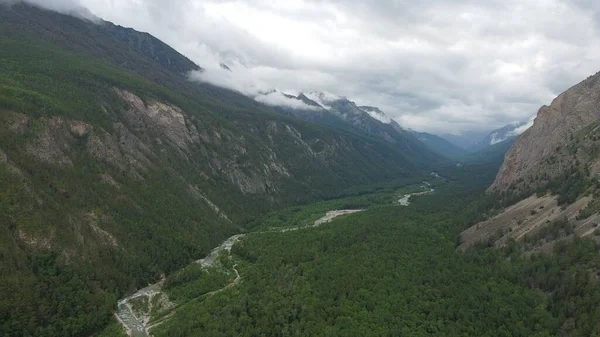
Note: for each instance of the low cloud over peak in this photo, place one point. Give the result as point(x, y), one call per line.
point(70, 7)
point(276, 98)
point(437, 66)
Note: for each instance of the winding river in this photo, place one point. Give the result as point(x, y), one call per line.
point(138, 324)
point(405, 199)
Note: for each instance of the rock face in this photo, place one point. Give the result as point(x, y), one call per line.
point(526, 219)
point(554, 128)
point(342, 113)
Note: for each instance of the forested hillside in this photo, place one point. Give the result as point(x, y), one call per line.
point(115, 169)
point(388, 270)
point(119, 176)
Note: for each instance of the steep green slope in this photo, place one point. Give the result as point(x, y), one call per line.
point(115, 169)
point(491, 154)
point(343, 114)
point(440, 145)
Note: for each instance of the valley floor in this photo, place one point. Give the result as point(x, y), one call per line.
point(138, 320)
point(378, 269)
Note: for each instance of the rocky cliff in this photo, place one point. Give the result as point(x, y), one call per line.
point(547, 148)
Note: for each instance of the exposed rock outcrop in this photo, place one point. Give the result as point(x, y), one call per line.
point(3, 157)
point(168, 120)
point(49, 145)
point(553, 129)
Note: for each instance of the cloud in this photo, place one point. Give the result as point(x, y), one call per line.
point(247, 81)
point(238, 78)
point(70, 7)
point(524, 127)
point(438, 65)
point(277, 98)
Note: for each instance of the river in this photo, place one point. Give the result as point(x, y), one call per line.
point(405, 199)
point(137, 324)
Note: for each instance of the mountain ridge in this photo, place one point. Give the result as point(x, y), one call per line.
point(117, 169)
point(341, 113)
point(440, 145)
point(555, 128)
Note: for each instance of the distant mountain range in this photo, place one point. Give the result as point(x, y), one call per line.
point(440, 145)
point(510, 131)
point(341, 113)
point(337, 111)
point(465, 140)
point(475, 141)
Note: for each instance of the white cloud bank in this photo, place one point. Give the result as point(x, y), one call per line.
point(70, 7)
point(438, 66)
point(277, 98)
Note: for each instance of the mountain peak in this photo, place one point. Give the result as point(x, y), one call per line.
point(323, 98)
point(546, 148)
point(376, 113)
point(503, 133)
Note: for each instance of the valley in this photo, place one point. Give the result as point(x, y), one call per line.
point(391, 270)
point(143, 194)
point(138, 322)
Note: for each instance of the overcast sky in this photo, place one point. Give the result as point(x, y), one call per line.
point(432, 65)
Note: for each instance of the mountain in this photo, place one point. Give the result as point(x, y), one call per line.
point(466, 140)
point(561, 140)
point(492, 153)
point(341, 113)
point(548, 181)
point(152, 47)
point(499, 135)
point(115, 169)
point(377, 114)
point(118, 176)
point(440, 145)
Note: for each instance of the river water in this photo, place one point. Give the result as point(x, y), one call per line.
point(137, 324)
point(405, 199)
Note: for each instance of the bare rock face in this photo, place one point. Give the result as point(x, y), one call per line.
point(49, 145)
point(169, 120)
point(3, 157)
point(552, 129)
point(79, 128)
point(15, 123)
point(57, 140)
point(528, 218)
point(102, 146)
point(36, 241)
point(87, 228)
